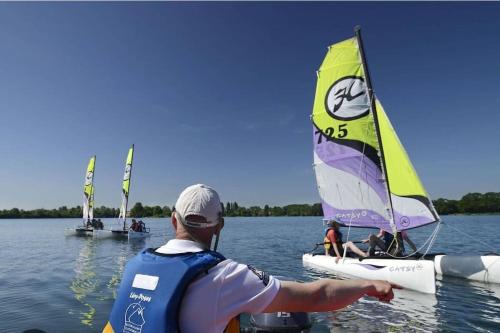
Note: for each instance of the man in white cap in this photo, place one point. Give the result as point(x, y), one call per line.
point(183, 286)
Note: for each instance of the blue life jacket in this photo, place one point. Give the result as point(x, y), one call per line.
point(152, 288)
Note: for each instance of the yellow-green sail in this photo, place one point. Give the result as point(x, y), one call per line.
point(346, 152)
point(126, 183)
point(348, 158)
point(88, 191)
point(128, 171)
point(410, 201)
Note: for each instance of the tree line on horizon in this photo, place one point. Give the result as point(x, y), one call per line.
point(471, 203)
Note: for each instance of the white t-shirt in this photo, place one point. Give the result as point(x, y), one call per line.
point(228, 289)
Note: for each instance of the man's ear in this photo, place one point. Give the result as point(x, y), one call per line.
point(174, 221)
point(220, 226)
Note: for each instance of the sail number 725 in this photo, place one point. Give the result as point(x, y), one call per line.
point(330, 133)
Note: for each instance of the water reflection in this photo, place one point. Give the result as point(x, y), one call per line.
point(120, 259)
point(477, 302)
point(85, 281)
point(87, 285)
point(408, 311)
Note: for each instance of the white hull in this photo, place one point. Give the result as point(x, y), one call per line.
point(415, 275)
point(477, 268)
point(124, 234)
point(78, 232)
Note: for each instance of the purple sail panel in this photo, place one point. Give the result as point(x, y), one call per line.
point(404, 222)
point(350, 183)
point(356, 218)
point(354, 162)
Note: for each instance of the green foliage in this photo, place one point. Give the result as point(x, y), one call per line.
point(233, 209)
point(471, 203)
point(99, 212)
point(137, 210)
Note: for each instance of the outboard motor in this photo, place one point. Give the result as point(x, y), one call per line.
point(279, 322)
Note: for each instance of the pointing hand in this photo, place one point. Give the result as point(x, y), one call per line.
point(382, 290)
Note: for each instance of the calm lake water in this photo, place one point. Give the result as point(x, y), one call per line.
point(67, 284)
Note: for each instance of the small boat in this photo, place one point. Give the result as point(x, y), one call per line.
point(86, 229)
point(124, 231)
point(366, 179)
point(364, 175)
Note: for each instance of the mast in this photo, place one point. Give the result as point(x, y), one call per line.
point(91, 199)
point(357, 31)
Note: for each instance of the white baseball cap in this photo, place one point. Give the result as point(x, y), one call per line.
point(200, 200)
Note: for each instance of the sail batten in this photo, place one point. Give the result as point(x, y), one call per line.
point(357, 153)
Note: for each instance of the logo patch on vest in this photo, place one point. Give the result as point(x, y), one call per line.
point(134, 318)
point(147, 282)
point(261, 274)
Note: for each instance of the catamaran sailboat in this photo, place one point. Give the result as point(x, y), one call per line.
point(85, 229)
point(364, 176)
point(124, 231)
point(366, 179)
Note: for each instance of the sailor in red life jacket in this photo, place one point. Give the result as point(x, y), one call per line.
point(184, 286)
point(334, 245)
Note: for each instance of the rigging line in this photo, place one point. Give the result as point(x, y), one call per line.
point(473, 238)
point(431, 244)
point(359, 175)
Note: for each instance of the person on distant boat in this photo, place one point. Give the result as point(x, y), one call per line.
point(141, 226)
point(99, 224)
point(184, 286)
point(334, 245)
point(134, 226)
point(388, 243)
point(89, 224)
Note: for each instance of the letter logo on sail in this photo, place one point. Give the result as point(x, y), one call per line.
point(126, 175)
point(405, 221)
point(347, 98)
point(88, 178)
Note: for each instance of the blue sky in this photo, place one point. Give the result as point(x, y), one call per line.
point(221, 93)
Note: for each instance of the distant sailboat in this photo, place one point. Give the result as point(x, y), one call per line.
point(88, 193)
point(125, 231)
point(86, 229)
point(126, 187)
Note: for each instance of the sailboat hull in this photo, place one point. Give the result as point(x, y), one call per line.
point(415, 275)
point(121, 234)
point(79, 232)
point(477, 268)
